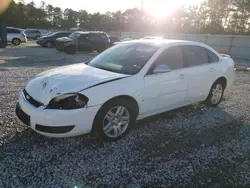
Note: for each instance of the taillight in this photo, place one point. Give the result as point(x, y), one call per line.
point(234, 65)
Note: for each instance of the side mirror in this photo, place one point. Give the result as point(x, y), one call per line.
point(161, 69)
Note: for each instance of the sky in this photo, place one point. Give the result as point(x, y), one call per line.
point(155, 7)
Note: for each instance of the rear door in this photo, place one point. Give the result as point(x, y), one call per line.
point(99, 41)
point(84, 43)
point(198, 71)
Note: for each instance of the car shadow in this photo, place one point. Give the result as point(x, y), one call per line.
point(154, 124)
point(165, 137)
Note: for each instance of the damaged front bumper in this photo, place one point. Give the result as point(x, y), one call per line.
point(56, 123)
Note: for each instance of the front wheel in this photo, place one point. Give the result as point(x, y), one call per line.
point(215, 95)
point(114, 120)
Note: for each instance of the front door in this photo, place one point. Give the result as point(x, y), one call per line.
point(165, 91)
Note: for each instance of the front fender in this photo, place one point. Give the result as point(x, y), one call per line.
point(100, 94)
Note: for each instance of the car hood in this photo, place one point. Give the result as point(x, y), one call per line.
point(67, 79)
point(64, 39)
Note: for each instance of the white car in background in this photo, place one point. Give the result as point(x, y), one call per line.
point(127, 82)
point(15, 36)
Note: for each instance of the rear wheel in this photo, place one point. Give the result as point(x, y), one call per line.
point(114, 120)
point(215, 95)
point(16, 41)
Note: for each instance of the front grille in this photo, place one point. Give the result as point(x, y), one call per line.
point(31, 100)
point(25, 118)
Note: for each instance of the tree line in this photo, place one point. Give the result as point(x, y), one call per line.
point(210, 17)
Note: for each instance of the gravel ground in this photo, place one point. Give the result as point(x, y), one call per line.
point(195, 146)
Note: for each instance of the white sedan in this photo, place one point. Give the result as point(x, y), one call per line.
point(128, 82)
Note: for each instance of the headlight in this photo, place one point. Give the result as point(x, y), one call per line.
point(68, 102)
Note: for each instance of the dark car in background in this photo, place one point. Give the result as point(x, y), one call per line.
point(32, 34)
point(50, 40)
point(114, 39)
point(84, 41)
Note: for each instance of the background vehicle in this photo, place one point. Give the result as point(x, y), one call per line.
point(123, 40)
point(32, 34)
point(84, 41)
point(136, 79)
point(50, 40)
point(152, 37)
point(15, 36)
point(114, 39)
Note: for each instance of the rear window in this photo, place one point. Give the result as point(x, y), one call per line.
point(212, 57)
point(194, 55)
point(103, 37)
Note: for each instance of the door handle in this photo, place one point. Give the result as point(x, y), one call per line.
point(212, 69)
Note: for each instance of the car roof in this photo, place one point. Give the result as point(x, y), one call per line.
point(164, 42)
point(88, 32)
point(14, 28)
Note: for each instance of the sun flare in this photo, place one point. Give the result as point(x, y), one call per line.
point(160, 8)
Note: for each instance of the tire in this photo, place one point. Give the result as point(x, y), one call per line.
point(16, 41)
point(113, 112)
point(48, 44)
point(216, 94)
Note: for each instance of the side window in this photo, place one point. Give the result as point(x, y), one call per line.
point(172, 57)
point(12, 31)
point(212, 57)
point(194, 55)
point(83, 38)
point(61, 35)
point(16, 31)
point(103, 37)
point(93, 37)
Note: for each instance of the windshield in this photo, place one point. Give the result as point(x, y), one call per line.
point(74, 35)
point(125, 58)
point(52, 34)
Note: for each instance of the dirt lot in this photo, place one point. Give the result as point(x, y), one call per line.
point(31, 54)
point(195, 146)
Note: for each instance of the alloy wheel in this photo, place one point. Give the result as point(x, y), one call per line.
point(116, 122)
point(16, 42)
point(217, 93)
